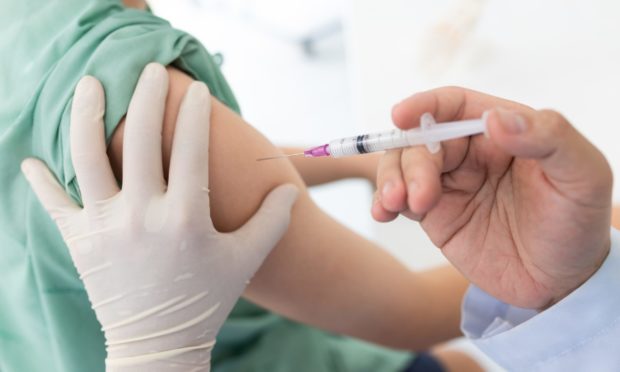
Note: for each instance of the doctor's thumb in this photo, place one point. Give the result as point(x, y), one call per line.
point(566, 157)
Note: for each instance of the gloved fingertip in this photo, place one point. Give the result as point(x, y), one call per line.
point(198, 91)
point(287, 194)
point(198, 95)
point(153, 71)
point(30, 166)
point(273, 217)
point(88, 88)
point(27, 166)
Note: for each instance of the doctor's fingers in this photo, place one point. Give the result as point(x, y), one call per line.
point(189, 161)
point(422, 175)
point(408, 182)
point(570, 162)
point(47, 189)
point(391, 192)
point(88, 145)
point(447, 104)
point(378, 212)
point(143, 173)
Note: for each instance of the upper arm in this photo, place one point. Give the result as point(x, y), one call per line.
point(238, 183)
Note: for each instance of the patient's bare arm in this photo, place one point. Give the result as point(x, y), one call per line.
point(322, 170)
point(320, 273)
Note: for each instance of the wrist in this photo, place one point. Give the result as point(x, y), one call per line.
point(495, 327)
point(587, 274)
point(137, 357)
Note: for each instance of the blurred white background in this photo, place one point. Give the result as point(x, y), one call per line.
point(309, 71)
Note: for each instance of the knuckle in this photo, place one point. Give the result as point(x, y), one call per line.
point(607, 173)
point(449, 89)
point(413, 158)
point(183, 222)
point(383, 171)
point(387, 173)
point(134, 226)
point(133, 221)
point(553, 121)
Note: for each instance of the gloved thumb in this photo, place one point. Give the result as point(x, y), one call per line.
point(569, 161)
point(53, 197)
point(265, 229)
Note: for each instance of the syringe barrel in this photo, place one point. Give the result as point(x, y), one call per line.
point(397, 138)
point(368, 143)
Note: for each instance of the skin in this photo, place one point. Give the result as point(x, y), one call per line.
point(524, 214)
point(454, 360)
point(137, 4)
point(345, 288)
point(323, 170)
point(615, 220)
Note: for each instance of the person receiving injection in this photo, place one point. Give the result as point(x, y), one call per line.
point(161, 280)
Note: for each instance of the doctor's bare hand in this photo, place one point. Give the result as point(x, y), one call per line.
point(524, 214)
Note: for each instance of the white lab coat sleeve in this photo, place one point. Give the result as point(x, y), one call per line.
point(579, 333)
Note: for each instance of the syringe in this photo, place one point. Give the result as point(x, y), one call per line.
point(429, 133)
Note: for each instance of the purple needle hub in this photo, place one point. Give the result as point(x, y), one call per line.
point(317, 152)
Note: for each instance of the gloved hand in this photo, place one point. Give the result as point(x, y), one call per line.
point(160, 278)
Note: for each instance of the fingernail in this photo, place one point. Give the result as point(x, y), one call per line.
point(511, 122)
point(485, 118)
point(389, 186)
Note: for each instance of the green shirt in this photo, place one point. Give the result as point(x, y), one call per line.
point(46, 323)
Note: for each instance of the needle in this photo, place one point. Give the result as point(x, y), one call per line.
point(280, 156)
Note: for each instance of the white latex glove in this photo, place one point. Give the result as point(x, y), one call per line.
point(159, 276)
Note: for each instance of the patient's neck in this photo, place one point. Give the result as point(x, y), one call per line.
point(138, 4)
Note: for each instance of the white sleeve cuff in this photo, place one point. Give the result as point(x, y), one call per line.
point(522, 339)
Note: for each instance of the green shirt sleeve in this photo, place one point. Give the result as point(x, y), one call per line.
point(102, 39)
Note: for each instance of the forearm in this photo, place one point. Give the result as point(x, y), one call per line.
point(323, 170)
point(615, 219)
point(336, 280)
